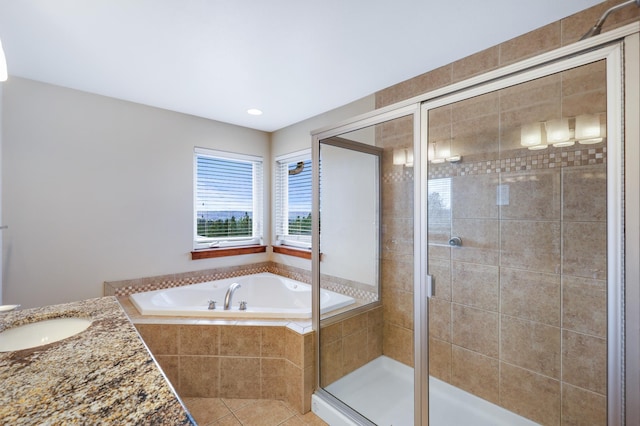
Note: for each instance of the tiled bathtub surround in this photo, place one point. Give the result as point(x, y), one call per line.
point(520, 313)
point(235, 361)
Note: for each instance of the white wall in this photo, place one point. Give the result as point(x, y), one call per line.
point(298, 137)
point(96, 189)
point(1, 222)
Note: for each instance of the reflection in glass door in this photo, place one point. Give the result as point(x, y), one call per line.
point(366, 350)
point(517, 244)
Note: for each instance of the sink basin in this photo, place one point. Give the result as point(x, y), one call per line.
point(41, 333)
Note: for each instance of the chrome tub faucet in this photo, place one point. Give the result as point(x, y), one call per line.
point(227, 298)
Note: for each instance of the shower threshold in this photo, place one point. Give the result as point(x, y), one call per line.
point(382, 391)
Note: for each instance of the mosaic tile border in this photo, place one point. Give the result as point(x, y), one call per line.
point(542, 160)
point(545, 160)
point(127, 287)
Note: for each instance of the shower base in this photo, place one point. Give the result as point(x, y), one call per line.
point(382, 391)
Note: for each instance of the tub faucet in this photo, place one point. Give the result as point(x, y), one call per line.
point(227, 298)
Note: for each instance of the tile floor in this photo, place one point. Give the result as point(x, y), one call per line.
point(247, 412)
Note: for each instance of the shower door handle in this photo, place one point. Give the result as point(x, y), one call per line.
point(431, 286)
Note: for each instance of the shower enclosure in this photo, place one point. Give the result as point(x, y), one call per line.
point(480, 228)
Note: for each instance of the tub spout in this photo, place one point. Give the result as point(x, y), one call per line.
point(227, 298)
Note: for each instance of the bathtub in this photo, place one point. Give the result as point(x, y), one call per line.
point(267, 295)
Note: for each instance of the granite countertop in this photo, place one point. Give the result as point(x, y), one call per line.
point(103, 375)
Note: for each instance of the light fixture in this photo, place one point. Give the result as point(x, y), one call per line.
point(254, 111)
point(558, 132)
point(531, 135)
point(3, 65)
point(403, 157)
point(588, 129)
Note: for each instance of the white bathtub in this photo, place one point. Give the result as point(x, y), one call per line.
point(267, 296)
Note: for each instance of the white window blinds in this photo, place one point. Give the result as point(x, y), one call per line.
point(228, 199)
point(293, 199)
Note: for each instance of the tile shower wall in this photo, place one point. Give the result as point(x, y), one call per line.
point(528, 333)
point(519, 317)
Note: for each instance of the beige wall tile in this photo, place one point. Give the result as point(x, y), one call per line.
point(533, 43)
point(375, 341)
point(480, 241)
point(198, 339)
point(530, 295)
point(354, 324)
point(330, 333)
point(478, 106)
point(309, 349)
point(530, 245)
point(474, 329)
point(440, 359)
point(398, 344)
point(531, 395)
point(477, 139)
point(398, 308)
point(199, 376)
point(541, 91)
point(533, 195)
point(272, 378)
point(355, 351)
point(584, 305)
point(530, 345)
point(440, 319)
point(585, 249)
point(240, 341)
point(581, 407)
point(475, 285)
point(331, 365)
point(423, 83)
point(170, 365)
point(160, 338)
point(397, 274)
point(272, 343)
point(475, 64)
point(584, 193)
point(397, 200)
point(475, 373)
point(474, 197)
point(240, 377)
point(584, 361)
point(295, 385)
point(294, 347)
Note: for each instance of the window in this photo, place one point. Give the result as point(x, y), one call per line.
point(228, 199)
point(293, 199)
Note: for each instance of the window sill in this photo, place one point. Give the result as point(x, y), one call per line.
point(291, 251)
point(227, 251)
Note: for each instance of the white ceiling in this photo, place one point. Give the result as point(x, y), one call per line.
point(293, 59)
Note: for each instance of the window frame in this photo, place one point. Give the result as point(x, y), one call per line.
point(257, 184)
point(281, 201)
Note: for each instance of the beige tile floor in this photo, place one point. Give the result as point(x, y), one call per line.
point(247, 412)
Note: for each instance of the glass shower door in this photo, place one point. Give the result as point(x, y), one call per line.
point(517, 245)
point(365, 250)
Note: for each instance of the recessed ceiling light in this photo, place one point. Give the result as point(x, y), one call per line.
point(254, 111)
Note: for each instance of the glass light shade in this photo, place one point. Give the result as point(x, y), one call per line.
point(588, 129)
point(437, 161)
point(409, 157)
point(454, 158)
point(400, 157)
point(3, 65)
point(530, 134)
point(537, 147)
point(558, 130)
